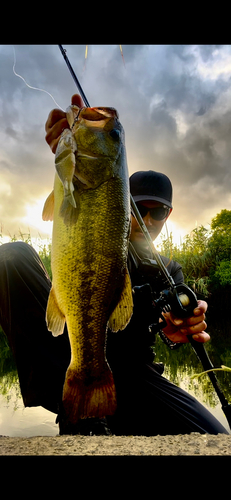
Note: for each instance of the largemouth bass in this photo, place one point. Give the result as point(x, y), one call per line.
point(91, 288)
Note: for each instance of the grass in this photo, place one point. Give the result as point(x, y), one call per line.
point(42, 247)
point(8, 370)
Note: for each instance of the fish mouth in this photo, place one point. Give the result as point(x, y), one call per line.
point(95, 117)
point(98, 117)
point(97, 114)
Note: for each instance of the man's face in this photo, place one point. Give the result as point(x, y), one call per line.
point(154, 226)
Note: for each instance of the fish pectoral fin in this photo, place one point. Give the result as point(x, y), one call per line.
point(48, 209)
point(54, 317)
point(68, 192)
point(67, 211)
point(122, 313)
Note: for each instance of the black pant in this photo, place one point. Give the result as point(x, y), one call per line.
point(148, 404)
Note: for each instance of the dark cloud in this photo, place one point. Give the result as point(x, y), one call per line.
point(11, 132)
point(207, 51)
point(201, 111)
point(174, 102)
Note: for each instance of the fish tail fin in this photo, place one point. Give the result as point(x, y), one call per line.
point(88, 398)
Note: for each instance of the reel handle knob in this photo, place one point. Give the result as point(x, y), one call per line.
point(184, 301)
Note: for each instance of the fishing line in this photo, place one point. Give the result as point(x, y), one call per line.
point(30, 86)
point(170, 246)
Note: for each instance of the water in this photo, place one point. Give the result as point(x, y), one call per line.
point(195, 390)
point(180, 365)
point(18, 421)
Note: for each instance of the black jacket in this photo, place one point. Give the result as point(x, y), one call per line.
point(132, 345)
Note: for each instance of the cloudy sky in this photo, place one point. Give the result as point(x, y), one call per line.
point(174, 102)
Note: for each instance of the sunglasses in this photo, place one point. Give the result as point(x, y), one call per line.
point(156, 213)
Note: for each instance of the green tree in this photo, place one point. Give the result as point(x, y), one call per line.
point(223, 272)
point(193, 257)
point(220, 240)
point(222, 222)
point(205, 255)
point(219, 249)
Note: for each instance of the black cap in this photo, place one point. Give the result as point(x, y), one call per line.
point(150, 185)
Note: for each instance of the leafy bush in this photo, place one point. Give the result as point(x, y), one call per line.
point(205, 255)
point(223, 272)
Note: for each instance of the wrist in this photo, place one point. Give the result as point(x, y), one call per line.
point(170, 344)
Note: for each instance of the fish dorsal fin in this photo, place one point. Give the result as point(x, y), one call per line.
point(54, 317)
point(48, 209)
point(124, 309)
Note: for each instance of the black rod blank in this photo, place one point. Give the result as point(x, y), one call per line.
point(63, 51)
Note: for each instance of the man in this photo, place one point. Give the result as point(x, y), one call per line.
point(148, 404)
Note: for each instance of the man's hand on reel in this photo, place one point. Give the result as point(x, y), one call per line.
point(178, 329)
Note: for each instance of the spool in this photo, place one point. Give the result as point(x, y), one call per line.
point(184, 299)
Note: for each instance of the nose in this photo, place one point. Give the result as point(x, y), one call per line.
point(148, 220)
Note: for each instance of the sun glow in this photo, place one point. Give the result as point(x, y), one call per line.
point(177, 234)
point(43, 229)
point(33, 218)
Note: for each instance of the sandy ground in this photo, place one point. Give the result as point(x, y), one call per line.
point(190, 444)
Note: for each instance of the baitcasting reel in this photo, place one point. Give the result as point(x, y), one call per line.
point(178, 299)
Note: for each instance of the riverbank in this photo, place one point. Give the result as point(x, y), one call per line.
point(189, 444)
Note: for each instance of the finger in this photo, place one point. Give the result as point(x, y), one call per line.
point(77, 100)
point(54, 116)
point(53, 145)
point(201, 337)
point(53, 135)
point(194, 329)
point(194, 320)
point(201, 307)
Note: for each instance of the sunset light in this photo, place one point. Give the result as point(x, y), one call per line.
point(33, 219)
point(177, 234)
point(174, 105)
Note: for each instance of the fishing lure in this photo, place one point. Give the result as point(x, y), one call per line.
point(86, 54)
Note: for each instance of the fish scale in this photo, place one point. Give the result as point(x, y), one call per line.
point(91, 287)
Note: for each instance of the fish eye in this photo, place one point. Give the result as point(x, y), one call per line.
point(115, 134)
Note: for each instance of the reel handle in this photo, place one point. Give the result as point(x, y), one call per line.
point(183, 301)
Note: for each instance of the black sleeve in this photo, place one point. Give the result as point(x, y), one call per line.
point(146, 272)
point(175, 269)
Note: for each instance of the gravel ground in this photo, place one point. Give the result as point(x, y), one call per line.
point(189, 444)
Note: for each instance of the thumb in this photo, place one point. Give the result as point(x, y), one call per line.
point(77, 100)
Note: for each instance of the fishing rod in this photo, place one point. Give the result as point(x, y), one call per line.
point(173, 299)
point(64, 54)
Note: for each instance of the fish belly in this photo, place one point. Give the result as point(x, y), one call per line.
point(89, 266)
